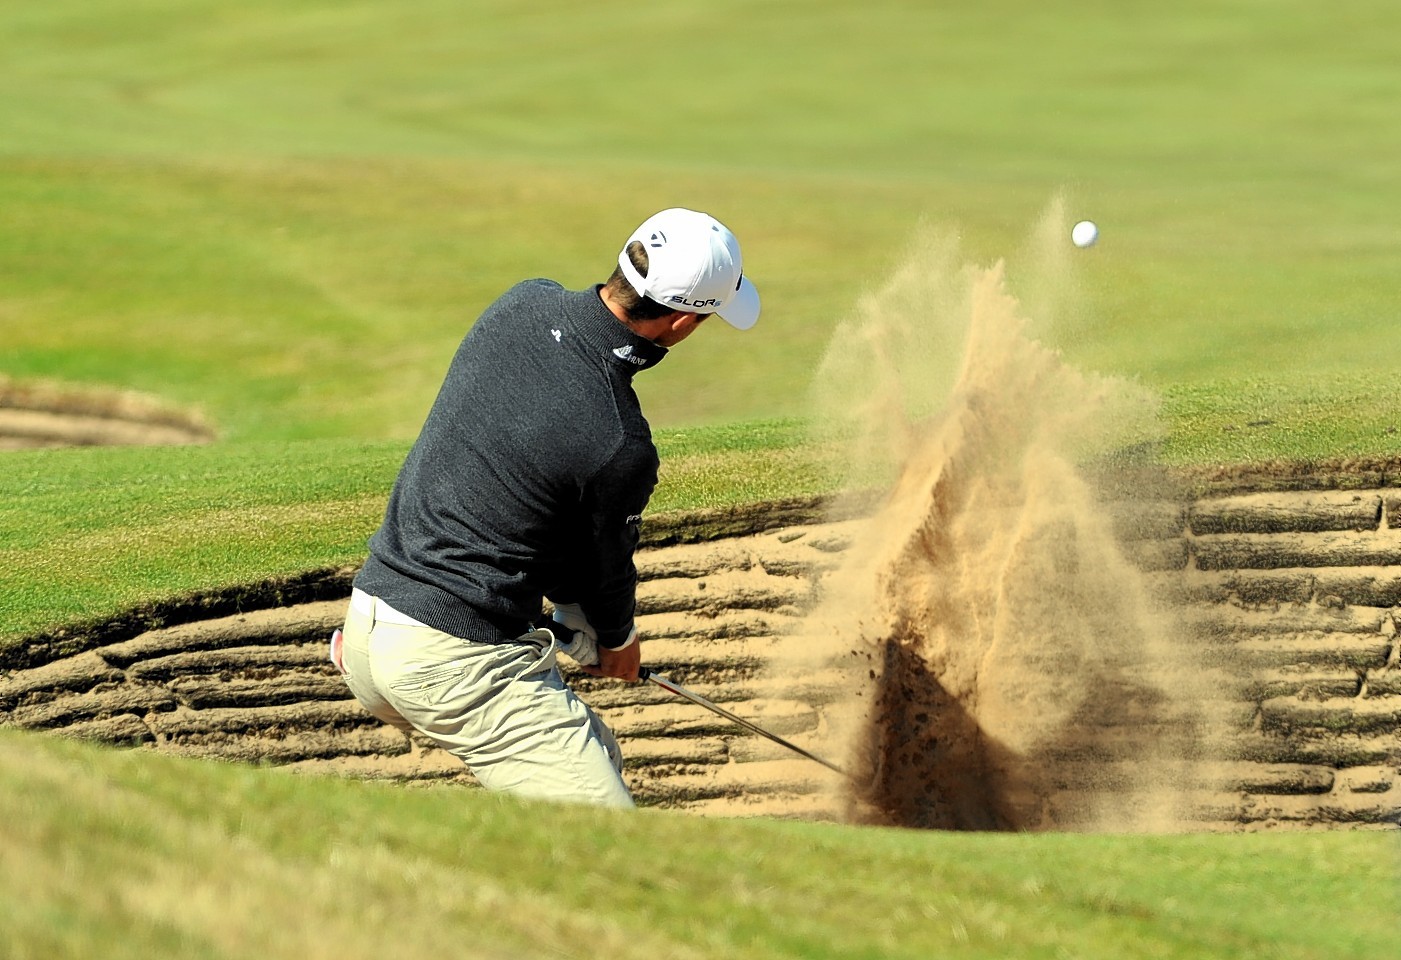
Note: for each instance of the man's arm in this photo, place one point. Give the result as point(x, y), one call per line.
point(602, 575)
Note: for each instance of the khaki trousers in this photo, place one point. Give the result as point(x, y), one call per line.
point(502, 709)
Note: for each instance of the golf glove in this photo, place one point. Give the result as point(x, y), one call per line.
point(577, 639)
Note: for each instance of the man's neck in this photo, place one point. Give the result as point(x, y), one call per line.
point(613, 306)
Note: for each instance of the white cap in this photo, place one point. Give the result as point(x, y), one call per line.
point(694, 266)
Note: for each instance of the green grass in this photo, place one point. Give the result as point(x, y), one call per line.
point(83, 537)
point(287, 214)
point(86, 534)
point(126, 854)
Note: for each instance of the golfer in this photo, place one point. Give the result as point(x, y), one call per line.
point(528, 483)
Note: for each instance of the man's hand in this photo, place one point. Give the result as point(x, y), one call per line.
point(623, 664)
point(577, 638)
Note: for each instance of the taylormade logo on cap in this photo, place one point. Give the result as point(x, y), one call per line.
point(694, 266)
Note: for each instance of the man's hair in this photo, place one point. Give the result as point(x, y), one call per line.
point(634, 304)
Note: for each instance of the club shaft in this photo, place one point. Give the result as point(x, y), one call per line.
point(673, 687)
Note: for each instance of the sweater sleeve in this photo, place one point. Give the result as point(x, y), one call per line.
point(602, 574)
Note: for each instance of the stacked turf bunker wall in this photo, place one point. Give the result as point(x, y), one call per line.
point(1291, 598)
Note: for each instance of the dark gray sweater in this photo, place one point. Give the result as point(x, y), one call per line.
point(530, 475)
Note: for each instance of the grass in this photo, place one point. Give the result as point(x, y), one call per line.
point(286, 215)
point(1253, 420)
point(127, 854)
point(85, 537)
point(86, 534)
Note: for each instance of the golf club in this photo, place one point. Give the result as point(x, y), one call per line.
point(673, 687)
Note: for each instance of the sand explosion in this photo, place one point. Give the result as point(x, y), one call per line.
point(997, 635)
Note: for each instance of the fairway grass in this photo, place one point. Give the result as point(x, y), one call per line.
point(287, 215)
point(124, 854)
point(86, 534)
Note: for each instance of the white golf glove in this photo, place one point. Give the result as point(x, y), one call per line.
point(578, 639)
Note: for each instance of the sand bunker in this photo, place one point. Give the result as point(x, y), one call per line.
point(1305, 656)
point(36, 414)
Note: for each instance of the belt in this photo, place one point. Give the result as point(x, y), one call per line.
point(375, 608)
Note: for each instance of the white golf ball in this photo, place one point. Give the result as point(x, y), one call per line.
point(1084, 233)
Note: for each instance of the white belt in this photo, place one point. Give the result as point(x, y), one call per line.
point(368, 606)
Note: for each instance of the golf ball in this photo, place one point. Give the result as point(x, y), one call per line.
point(1084, 233)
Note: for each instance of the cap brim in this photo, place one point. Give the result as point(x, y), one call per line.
point(742, 312)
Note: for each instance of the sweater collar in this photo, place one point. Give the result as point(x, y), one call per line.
point(619, 343)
